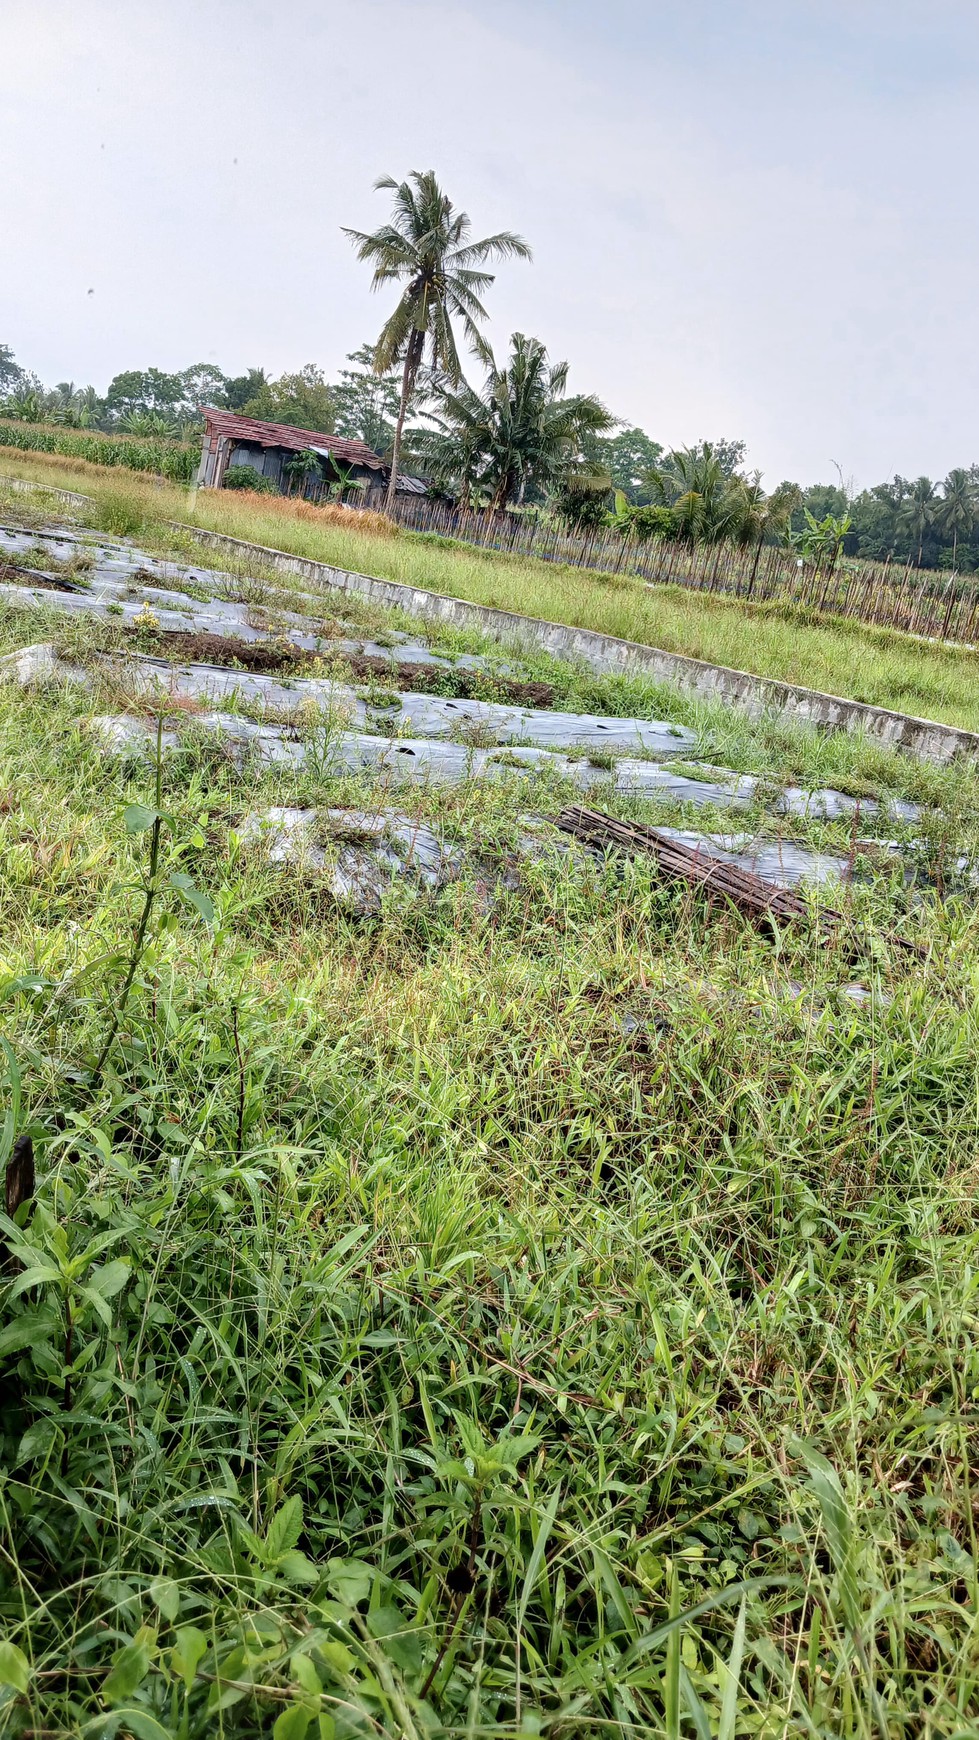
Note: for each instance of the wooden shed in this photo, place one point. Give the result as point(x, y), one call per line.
point(268, 448)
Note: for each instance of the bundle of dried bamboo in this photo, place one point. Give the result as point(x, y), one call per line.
point(751, 894)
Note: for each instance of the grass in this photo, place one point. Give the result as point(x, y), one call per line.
point(881, 667)
point(554, 1315)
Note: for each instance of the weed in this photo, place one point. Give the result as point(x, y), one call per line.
point(550, 1310)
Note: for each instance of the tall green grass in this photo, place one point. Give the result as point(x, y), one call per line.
point(553, 1315)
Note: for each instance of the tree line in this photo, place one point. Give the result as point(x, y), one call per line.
point(517, 440)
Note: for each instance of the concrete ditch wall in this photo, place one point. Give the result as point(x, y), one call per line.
point(925, 739)
point(70, 497)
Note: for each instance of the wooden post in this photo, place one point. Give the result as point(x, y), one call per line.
point(205, 470)
point(221, 457)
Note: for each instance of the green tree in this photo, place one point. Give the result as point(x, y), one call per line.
point(303, 400)
point(729, 454)
point(693, 483)
point(204, 384)
point(144, 390)
point(150, 424)
point(73, 406)
point(757, 517)
point(521, 433)
point(628, 457)
point(711, 503)
point(878, 524)
point(919, 510)
point(426, 247)
point(819, 499)
point(11, 373)
point(820, 541)
point(956, 514)
point(366, 403)
point(239, 389)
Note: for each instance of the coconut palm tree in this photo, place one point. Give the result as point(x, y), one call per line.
point(755, 517)
point(957, 510)
point(693, 483)
point(918, 510)
point(712, 504)
point(521, 432)
point(426, 247)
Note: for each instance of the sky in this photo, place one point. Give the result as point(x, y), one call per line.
point(749, 218)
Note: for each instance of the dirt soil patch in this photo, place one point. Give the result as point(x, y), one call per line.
point(463, 684)
point(189, 647)
point(186, 646)
point(11, 575)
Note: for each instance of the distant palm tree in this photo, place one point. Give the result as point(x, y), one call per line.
point(149, 424)
point(521, 432)
point(957, 510)
point(426, 246)
point(754, 516)
point(918, 510)
point(89, 407)
point(693, 483)
point(62, 403)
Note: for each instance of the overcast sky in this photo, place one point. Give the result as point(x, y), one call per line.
point(749, 218)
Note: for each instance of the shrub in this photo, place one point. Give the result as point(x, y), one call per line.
point(645, 522)
point(246, 477)
point(119, 515)
point(582, 509)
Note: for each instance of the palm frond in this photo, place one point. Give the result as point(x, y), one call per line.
point(503, 246)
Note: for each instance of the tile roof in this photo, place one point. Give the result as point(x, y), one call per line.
point(260, 434)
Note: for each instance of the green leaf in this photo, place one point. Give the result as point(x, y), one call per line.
point(25, 1331)
point(129, 1721)
point(188, 891)
point(296, 1568)
point(510, 1451)
point(306, 1675)
point(15, 1669)
point(729, 1703)
point(473, 1441)
point(404, 1643)
point(337, 1656)
point(826, 1485)
point(165, 1594)
point(139, 817)
point(285, 1528)
point(187, 1653)
point(12, 1116)
point(698, 1715)
point(293, 1722)
point(349, 1580)
point(38, 1439)
point(24, 982)
point(32, 1278)
point(130, 1666)
point(108, 1280)
point(533, 1567)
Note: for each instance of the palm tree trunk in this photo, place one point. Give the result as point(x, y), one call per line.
point(413, 356)
point(406, 386)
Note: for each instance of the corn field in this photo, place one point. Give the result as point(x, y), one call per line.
point(175, 460)
point(938, 605)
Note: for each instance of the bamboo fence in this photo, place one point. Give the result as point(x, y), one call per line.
point(938, 605)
